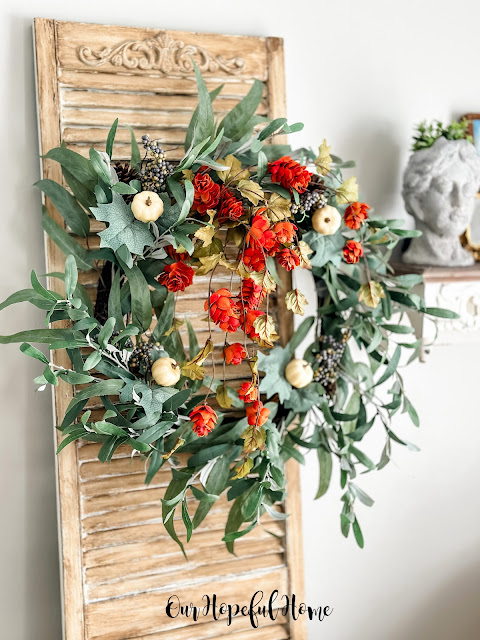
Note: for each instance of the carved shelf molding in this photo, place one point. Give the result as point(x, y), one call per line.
point(161, 53)
point(454, 288)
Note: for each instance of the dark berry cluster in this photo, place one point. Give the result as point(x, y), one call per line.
point(309, 201)
point(155, 169)
point(140, 361)
point(328, 355)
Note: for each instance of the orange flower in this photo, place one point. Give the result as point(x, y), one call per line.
point(253, 259)
point(288, 259)
point(248, 392)
point(207, 193)
point(223, 310)
point(234, 353)
point(177, 276)
point(284, 231)
point(356, 214)
point(352, 251)
point(230, 207)
point(252, 294)
point(261, 234)
point(172, 253)
point(247, 319)
point(257, 414)
point(204, 419)
point(289, 174)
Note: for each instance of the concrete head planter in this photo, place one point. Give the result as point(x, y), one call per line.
point(439, 189)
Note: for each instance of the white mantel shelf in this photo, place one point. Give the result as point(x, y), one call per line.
point(455, 288)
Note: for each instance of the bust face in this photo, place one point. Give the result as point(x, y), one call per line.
point(446, 205)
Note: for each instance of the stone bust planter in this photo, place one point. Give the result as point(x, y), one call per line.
point(439, 188)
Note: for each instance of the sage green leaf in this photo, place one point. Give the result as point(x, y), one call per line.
point(114, 302)
point(74, 435)
point(84, 195)
point(67, 206)
point(40, 289)
point(71, 276)
point(105, 333)
point(72, 377)
point(235, 122)
point(28, 350)
point(27, 295)
point(358, 533)
point(325, 465)
point(203, 456)
point(152, 398)
point(140, 294)
point(300, 334)
point(46, 336)
point(111, 138)
point(165, 320)
point(204, 126)
point(391, 367)
point(100, 166)
point(191, 138)
point(75, 164)
point(273, 364)
point(361, 495)
point(135, 153)
point(102, 388)
point(440, 313)
point(66, 243)
point(122, 228)
point(175, 489)
point(186, 519)
point(327, 248)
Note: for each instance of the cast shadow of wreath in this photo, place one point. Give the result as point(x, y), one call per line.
point(448, 611)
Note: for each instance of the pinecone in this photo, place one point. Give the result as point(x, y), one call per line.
point(126, 173)
point(328, 356)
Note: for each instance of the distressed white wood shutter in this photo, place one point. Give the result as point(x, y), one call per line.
point(118, 564)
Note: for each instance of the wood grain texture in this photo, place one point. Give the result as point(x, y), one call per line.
point(119, 566)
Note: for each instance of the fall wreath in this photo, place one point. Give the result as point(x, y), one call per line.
point(236, 201)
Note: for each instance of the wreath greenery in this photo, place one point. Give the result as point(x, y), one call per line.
point(240, 202)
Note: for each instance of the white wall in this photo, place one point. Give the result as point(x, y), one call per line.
point(360, 74)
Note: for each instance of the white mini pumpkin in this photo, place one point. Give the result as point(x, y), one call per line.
point(326, 220)
point(147, 206)
point(166, 372)
point(299, 373)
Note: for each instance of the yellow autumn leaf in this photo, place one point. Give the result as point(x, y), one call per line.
point(265, 327)
point(251, 190)
point(179, 443)
point(223, 399)
point(188, 174)
point(206, 233)
point(303, 252)
point(253, 363)
point(278, 208)
point(242, 270)
point(203, 354)
point(193, 371)
point(324, 159)
point(177, 323)
point(236, 235)
point(348, 191)
point(235, 173)
point(232, 266)
point(264, 278)
point(243, 469)
point(207, 264)
point(253, 439)
point(371, 294)
point(295, 301)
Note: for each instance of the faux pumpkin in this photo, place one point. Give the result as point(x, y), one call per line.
point(299, 373)
point(147, 206)
point(166, 372)
point(326, 220)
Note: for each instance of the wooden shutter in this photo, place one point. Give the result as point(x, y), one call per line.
point(118, 565)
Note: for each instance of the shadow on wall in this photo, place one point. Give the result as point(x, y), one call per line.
point(30, 413)
point(448, 611)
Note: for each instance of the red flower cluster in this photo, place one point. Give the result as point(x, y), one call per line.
point(204, 419)
point(248, 392)
point(230, 208)
point(356, 214)
point(261, 235)
point(288, 258)
point(207, 193)
point(247, 319)
point(257, 414)
point(177, 276)
point(234, 353)
point(264, 240)
point(352, 251)
point(223, 310)
point(284, 231)
point(289, 174)
point(252, 294)
point(253, 259)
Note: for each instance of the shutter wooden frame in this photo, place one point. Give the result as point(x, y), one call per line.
point(56, 48)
